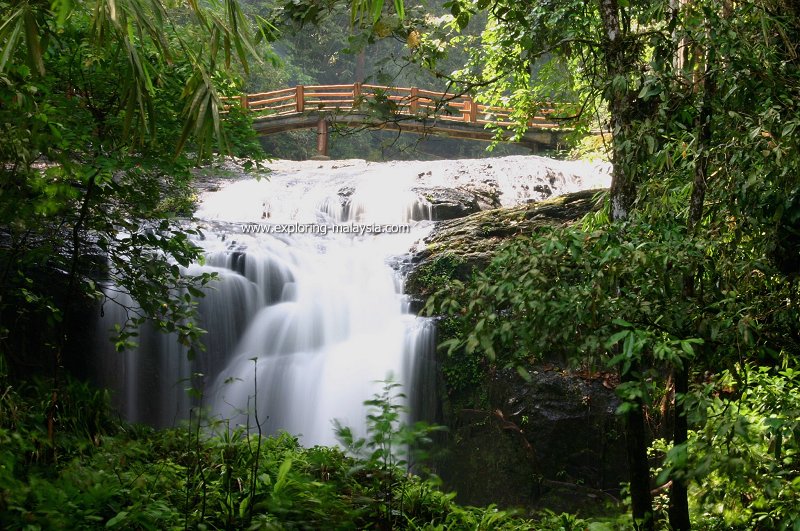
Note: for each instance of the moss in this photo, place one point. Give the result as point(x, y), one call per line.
point(434, 274)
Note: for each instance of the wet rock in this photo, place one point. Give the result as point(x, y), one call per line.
point(543, 190)
point(448, 203)
point(471, 241)
point(553, 442)
point(346, 191)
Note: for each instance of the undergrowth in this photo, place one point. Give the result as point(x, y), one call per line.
point(100, 472)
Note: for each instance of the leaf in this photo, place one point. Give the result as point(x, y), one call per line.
point(11, 40)
point(377, 8)
point(686, 346)
point(117, 519)
point(613, 340)
point(283, 473)
point(651, 144)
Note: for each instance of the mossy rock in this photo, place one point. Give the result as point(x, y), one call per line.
point(457, 247)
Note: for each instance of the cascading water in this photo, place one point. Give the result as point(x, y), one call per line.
point(317, 319)
point(303, 322)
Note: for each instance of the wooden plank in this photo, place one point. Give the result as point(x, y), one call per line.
point(344, 89)
point(311, 103)
point(283, 113)
point(432, 94)
point(326, 87)
point(270, 101)
point(310, 94)
point(272, 93)
point(384, 87)
point(273, 107)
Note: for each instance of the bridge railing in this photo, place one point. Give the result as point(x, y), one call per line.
point(411, 101)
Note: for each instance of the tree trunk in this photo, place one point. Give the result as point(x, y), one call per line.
point(623, 195)
point(679, 497)
point(636, 450)
point(678, 493)
point(700, 185)
point(623, 191)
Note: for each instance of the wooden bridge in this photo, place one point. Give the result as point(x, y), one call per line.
point(412, 110)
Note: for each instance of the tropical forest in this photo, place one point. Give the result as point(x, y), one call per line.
point(400, 264)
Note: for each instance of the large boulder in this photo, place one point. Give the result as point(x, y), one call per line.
point(552, 442)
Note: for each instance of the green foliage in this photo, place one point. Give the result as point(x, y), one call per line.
point(390, 448)
point(118, 476)
point(744, 457)
point(617, 297)
point(92, 173)
point(516, 313)
point(703, 275)
point(462, 371)
point(435, 275)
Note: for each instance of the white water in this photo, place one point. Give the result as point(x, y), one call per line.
point(315, 320)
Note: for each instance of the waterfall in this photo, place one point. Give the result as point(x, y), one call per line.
point(303, 322)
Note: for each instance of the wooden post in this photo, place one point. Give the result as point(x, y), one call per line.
point(356, 94)
point(299, 98)
point(322, 138)
point(473, 110)
point(414, 100)
point(245, 102)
